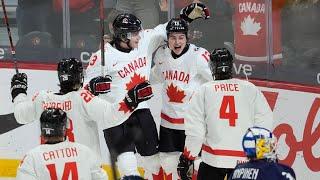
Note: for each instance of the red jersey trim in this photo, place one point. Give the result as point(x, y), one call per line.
point(223, 152)
point(172, 120)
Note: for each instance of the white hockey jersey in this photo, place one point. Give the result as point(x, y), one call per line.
point(219, 115)
point(179, 77)
point(60, 161)
point(127, 69)
point(85, 113)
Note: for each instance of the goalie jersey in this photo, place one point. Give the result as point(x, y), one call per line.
point(84, 111)
point(262, 170)
point(179, 78)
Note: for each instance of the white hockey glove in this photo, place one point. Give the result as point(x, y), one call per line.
point(19, 84)
point(141, 92)
point(195, 11)
point(100, 85)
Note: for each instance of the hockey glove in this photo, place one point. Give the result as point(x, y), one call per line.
point(19, 84)
point(132, 177)
point(185, 168)
point(194, 11)
point(100, 85)
point(141, 92)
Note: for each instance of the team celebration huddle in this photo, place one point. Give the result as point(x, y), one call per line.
point(212, 126)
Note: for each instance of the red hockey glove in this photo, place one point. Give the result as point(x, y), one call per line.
point(100, 85)
point(141, 92)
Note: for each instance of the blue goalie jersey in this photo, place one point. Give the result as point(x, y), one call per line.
point(262, 170)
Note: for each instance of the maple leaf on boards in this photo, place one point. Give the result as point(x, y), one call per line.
point(249, 26)
point(174, 94)
point(135, 79)
point(123, 107)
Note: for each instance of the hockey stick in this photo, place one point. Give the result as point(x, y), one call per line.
point(13, 50)
point(113, 153)
point(101, 17)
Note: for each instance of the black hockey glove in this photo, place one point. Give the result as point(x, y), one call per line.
point(185, 168)
point(132, 177)
point(19, 84)
point(100, 85)
point(141, 92)
point(194, 11)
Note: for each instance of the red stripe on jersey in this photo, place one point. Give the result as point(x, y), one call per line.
point(172, 120)
point(223, 152)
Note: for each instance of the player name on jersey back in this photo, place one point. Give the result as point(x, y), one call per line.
point(60, 153)
point(245, 173)
point(226, 87)
point(65, 105)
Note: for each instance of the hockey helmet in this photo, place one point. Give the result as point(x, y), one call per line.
point(177, 25)
point(70, 73)
point(124, 24)
point(220, 64)
point(53, 122)
point(259, 143)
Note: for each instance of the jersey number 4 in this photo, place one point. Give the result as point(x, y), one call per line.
point(70, 168)
point(228, 110)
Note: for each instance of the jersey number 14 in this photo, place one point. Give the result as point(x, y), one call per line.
point(70, 168)
point(228, 110)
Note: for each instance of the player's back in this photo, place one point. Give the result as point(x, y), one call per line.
point(61, 161)
point(262, 170)
point(81, 127)
point(230, 107)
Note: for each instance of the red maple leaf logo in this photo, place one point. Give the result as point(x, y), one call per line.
point(174, 94)
point(135, 79)
point(187, 154)
point(123, 107)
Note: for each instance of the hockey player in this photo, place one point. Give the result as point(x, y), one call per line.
point(259, 145)
point(219, 113)
point(58, 158)
point(128, 61)
point(181, 67)
point(85, 111)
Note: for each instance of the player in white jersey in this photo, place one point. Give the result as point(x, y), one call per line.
point(85, 111)
point(58, 158)
point(218, 116)
point(181, 68)
point(128, 61)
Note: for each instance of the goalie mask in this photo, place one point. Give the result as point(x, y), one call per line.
point(125, 24)
point(53, 122)
point(259, 143)
point(70, 74)
point(220, 64)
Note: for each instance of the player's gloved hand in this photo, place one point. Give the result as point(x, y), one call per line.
point(19, 84)
point(141, 92)
point(132, 177)
point(100, 85)
point(185, 168)
point(195, 11)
